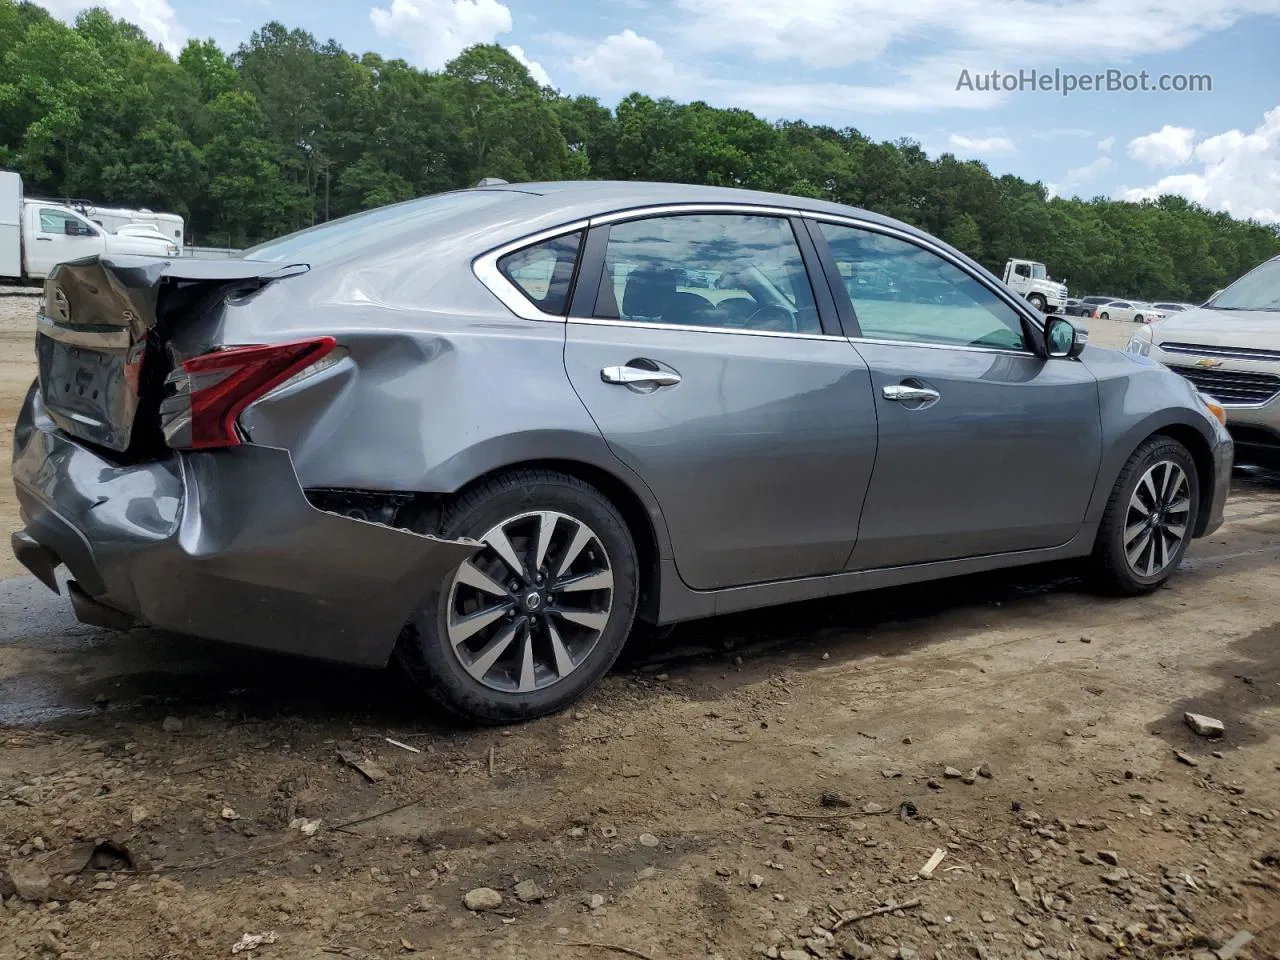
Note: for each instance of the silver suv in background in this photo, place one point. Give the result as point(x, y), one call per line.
point(1230, 350)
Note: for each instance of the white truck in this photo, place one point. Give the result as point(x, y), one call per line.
point(37, 234)
point(1032, 280)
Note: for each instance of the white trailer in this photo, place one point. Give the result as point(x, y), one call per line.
point(112, 219)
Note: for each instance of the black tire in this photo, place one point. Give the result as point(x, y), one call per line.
point(1037, 301)
point(424, 649)
point(1104, 316)
point(1110, 568)
point(1137, 318)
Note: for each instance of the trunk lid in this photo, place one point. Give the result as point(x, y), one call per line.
point(101, 332)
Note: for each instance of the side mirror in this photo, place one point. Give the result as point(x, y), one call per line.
point(1063, 339)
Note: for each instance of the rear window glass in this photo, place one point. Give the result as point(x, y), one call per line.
point(374, 228)
point(544, 271)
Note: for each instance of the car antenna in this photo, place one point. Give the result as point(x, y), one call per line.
point(491, 182)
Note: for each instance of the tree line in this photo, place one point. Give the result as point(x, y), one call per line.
point(286, 132)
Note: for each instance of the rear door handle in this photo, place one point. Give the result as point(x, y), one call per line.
point(629, 375)
point(901, 391)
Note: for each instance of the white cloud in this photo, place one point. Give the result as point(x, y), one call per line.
point(1168, 147)
point(156, 17)
point(974, 35)
point(981, 145)
point(1106, 145)
point(627, 61)
point(1240, 173)
point(535, 69)
point(826, 33)
point(1078, 177)
point(439, 30)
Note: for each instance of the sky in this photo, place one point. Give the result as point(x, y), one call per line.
point(890, 68)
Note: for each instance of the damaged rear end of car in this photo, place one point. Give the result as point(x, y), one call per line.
point(132, 471)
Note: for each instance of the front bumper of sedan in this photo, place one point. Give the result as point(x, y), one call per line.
point(219, 544)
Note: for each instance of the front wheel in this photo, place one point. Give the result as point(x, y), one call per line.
point(1149, 519)
point(537, 616)
point(1137, 318)
point(1104, 316)
point(1037, 301)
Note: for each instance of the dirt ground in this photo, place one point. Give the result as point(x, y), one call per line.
point(679, 811)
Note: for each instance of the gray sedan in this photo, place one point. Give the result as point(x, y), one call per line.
point(485, 432)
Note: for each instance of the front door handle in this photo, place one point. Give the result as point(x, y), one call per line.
point(631, 376)
point(901, 391)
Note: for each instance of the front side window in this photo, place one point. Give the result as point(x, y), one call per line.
point(544, 271)
point(64, 224)
point(903, 292)
point(1038, 272)
point(725, 271)
point(1022, 270)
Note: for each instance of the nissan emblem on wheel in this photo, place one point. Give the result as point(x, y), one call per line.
point(486, 434)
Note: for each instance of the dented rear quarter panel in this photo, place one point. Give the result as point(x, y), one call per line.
point(440, 384)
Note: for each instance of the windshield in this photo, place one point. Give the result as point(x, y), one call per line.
point(1038, 271)
point(337, 238)
point(1259, 289)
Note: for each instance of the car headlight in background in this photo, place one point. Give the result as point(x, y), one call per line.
point(1140, 342)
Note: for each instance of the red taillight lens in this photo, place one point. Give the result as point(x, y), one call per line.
point(213, 389)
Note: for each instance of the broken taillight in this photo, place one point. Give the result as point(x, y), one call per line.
point(211, 390)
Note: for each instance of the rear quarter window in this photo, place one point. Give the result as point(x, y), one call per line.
point(543, 272)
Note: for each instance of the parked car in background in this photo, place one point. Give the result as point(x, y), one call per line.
point(1167, 307)
point(1077, 308)
point(1094, 301)
point(1230, 350)
point(1134, 310)
point(487, 431)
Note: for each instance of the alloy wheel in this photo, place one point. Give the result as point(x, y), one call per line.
point(527, 610)
point(1156, 521)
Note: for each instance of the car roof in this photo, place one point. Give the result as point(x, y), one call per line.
point(531, 208)
point(582, 198)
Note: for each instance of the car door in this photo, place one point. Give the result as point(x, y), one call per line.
point(985, 446)
point(59, 236)
point(696, 342)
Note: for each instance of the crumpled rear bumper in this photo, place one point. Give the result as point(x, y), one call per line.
point(219, 544)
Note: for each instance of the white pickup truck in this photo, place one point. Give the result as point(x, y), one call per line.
point(36, 234)
point(1031, 279)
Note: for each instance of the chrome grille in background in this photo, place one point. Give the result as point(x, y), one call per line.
point(1225, 353)
point(1231, 386)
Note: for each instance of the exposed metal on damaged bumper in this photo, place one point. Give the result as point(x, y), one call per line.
point(222, 545)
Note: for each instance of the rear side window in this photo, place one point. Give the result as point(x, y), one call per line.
point(544, 271)
point(708, 270)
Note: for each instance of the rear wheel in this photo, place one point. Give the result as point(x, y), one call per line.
point(1137, 318)
point(536, 617)
point(1104, 316)
point(1150, 515)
